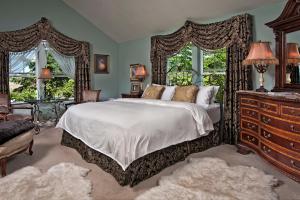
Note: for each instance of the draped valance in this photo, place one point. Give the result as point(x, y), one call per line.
point(27, 38)
point(234, 31)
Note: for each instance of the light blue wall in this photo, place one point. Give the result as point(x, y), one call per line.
point(16, 14)
point(139, 50)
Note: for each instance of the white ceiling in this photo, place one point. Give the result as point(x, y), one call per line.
point(124, 20)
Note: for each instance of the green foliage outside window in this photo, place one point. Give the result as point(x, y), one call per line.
point(214, 65)
point(57, 87)
point(180, 66)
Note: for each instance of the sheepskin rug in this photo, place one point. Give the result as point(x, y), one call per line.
point(213, 179)
point(64, 181)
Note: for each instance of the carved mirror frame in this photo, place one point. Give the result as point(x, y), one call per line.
point(287, 22)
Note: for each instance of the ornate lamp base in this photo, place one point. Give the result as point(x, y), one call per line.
point(261, 89)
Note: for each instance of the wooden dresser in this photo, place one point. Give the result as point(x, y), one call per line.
point(270, 126)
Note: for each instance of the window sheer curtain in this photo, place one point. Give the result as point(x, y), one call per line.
point(19, 61)
point(66, 63)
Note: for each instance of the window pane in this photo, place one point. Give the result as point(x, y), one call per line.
point(180, 67)
point(214, 68)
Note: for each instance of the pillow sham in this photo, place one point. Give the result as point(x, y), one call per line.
point(215, 92)
point(168, 92)
point(205, 95)
point(185, 93)
point(153, 92)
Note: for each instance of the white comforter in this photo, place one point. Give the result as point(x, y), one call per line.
point(127, 129)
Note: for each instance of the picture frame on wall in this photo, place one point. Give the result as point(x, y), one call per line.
point(136, 88)
point(133, 68)
point(101, 64)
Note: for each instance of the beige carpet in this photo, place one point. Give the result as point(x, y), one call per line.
point(49, 152)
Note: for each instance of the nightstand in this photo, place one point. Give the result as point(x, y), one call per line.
point(131, 95)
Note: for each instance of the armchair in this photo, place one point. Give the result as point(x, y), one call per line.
point(6, 110)
point(87, 96)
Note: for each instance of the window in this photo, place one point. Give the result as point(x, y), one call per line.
point(22, 76)
point(193, 65)
point(23, 81)
point(180, 67)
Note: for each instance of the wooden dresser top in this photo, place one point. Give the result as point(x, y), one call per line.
point(279, 96)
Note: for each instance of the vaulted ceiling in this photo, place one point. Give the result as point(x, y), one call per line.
point(124, 20)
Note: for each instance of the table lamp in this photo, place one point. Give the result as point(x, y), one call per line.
point(45, 75)
point(261, 56)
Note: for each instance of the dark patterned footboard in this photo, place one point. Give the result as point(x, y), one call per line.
point(146, 166)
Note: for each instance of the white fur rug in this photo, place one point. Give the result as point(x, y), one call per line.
point(64, 181)
point(213, 179)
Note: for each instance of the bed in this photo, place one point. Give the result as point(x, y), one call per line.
point(134, 139)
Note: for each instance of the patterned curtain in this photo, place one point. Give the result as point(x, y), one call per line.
point(27, 38)
point(235, 34)
point(238, 77)
point(4, 72)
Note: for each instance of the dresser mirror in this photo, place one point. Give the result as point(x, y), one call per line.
point(293, 58)
point(287, 36)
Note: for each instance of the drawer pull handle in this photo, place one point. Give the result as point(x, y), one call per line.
point(293, 147)
point(292, 111)
point(267, 135)
point(293, 129)
point(266, 150)
point(251, 114)
point(266, 106)
point(251, 126)
point(266, 120)
point(250, 139)
point(294, 165)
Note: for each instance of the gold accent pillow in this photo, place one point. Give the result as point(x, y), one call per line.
point(153, 92)
point(186, 93)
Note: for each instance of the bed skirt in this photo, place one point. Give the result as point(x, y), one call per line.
point(148, 165)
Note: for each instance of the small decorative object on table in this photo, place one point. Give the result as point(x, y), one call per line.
point(261, 56)
point(101, 64)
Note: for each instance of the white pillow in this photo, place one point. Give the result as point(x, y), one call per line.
point(205, 95)
point(215, 92)
point(168, 92)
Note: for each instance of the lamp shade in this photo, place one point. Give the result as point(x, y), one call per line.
point(141, 71)
point(45, 74)
point(293, 55)
point(260, 54)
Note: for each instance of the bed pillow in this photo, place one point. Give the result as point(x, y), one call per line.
point(168, 93)
point(185, 93)
point(153, 92)
point(215, 92)
point(205, 95)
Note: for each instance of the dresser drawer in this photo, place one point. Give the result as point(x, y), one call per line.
point(249, 126)
point(290, 112)
point(292, 163)
point(250, 113)
point(269, 107)
point(281, 124)
point(249, 139)
point(286, 143)
point(250, 102)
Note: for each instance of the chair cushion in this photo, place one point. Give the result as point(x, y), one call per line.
point(17, 144)
point(11, 129)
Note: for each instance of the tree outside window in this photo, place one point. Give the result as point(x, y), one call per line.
point(23, 85)
point(212, 68)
